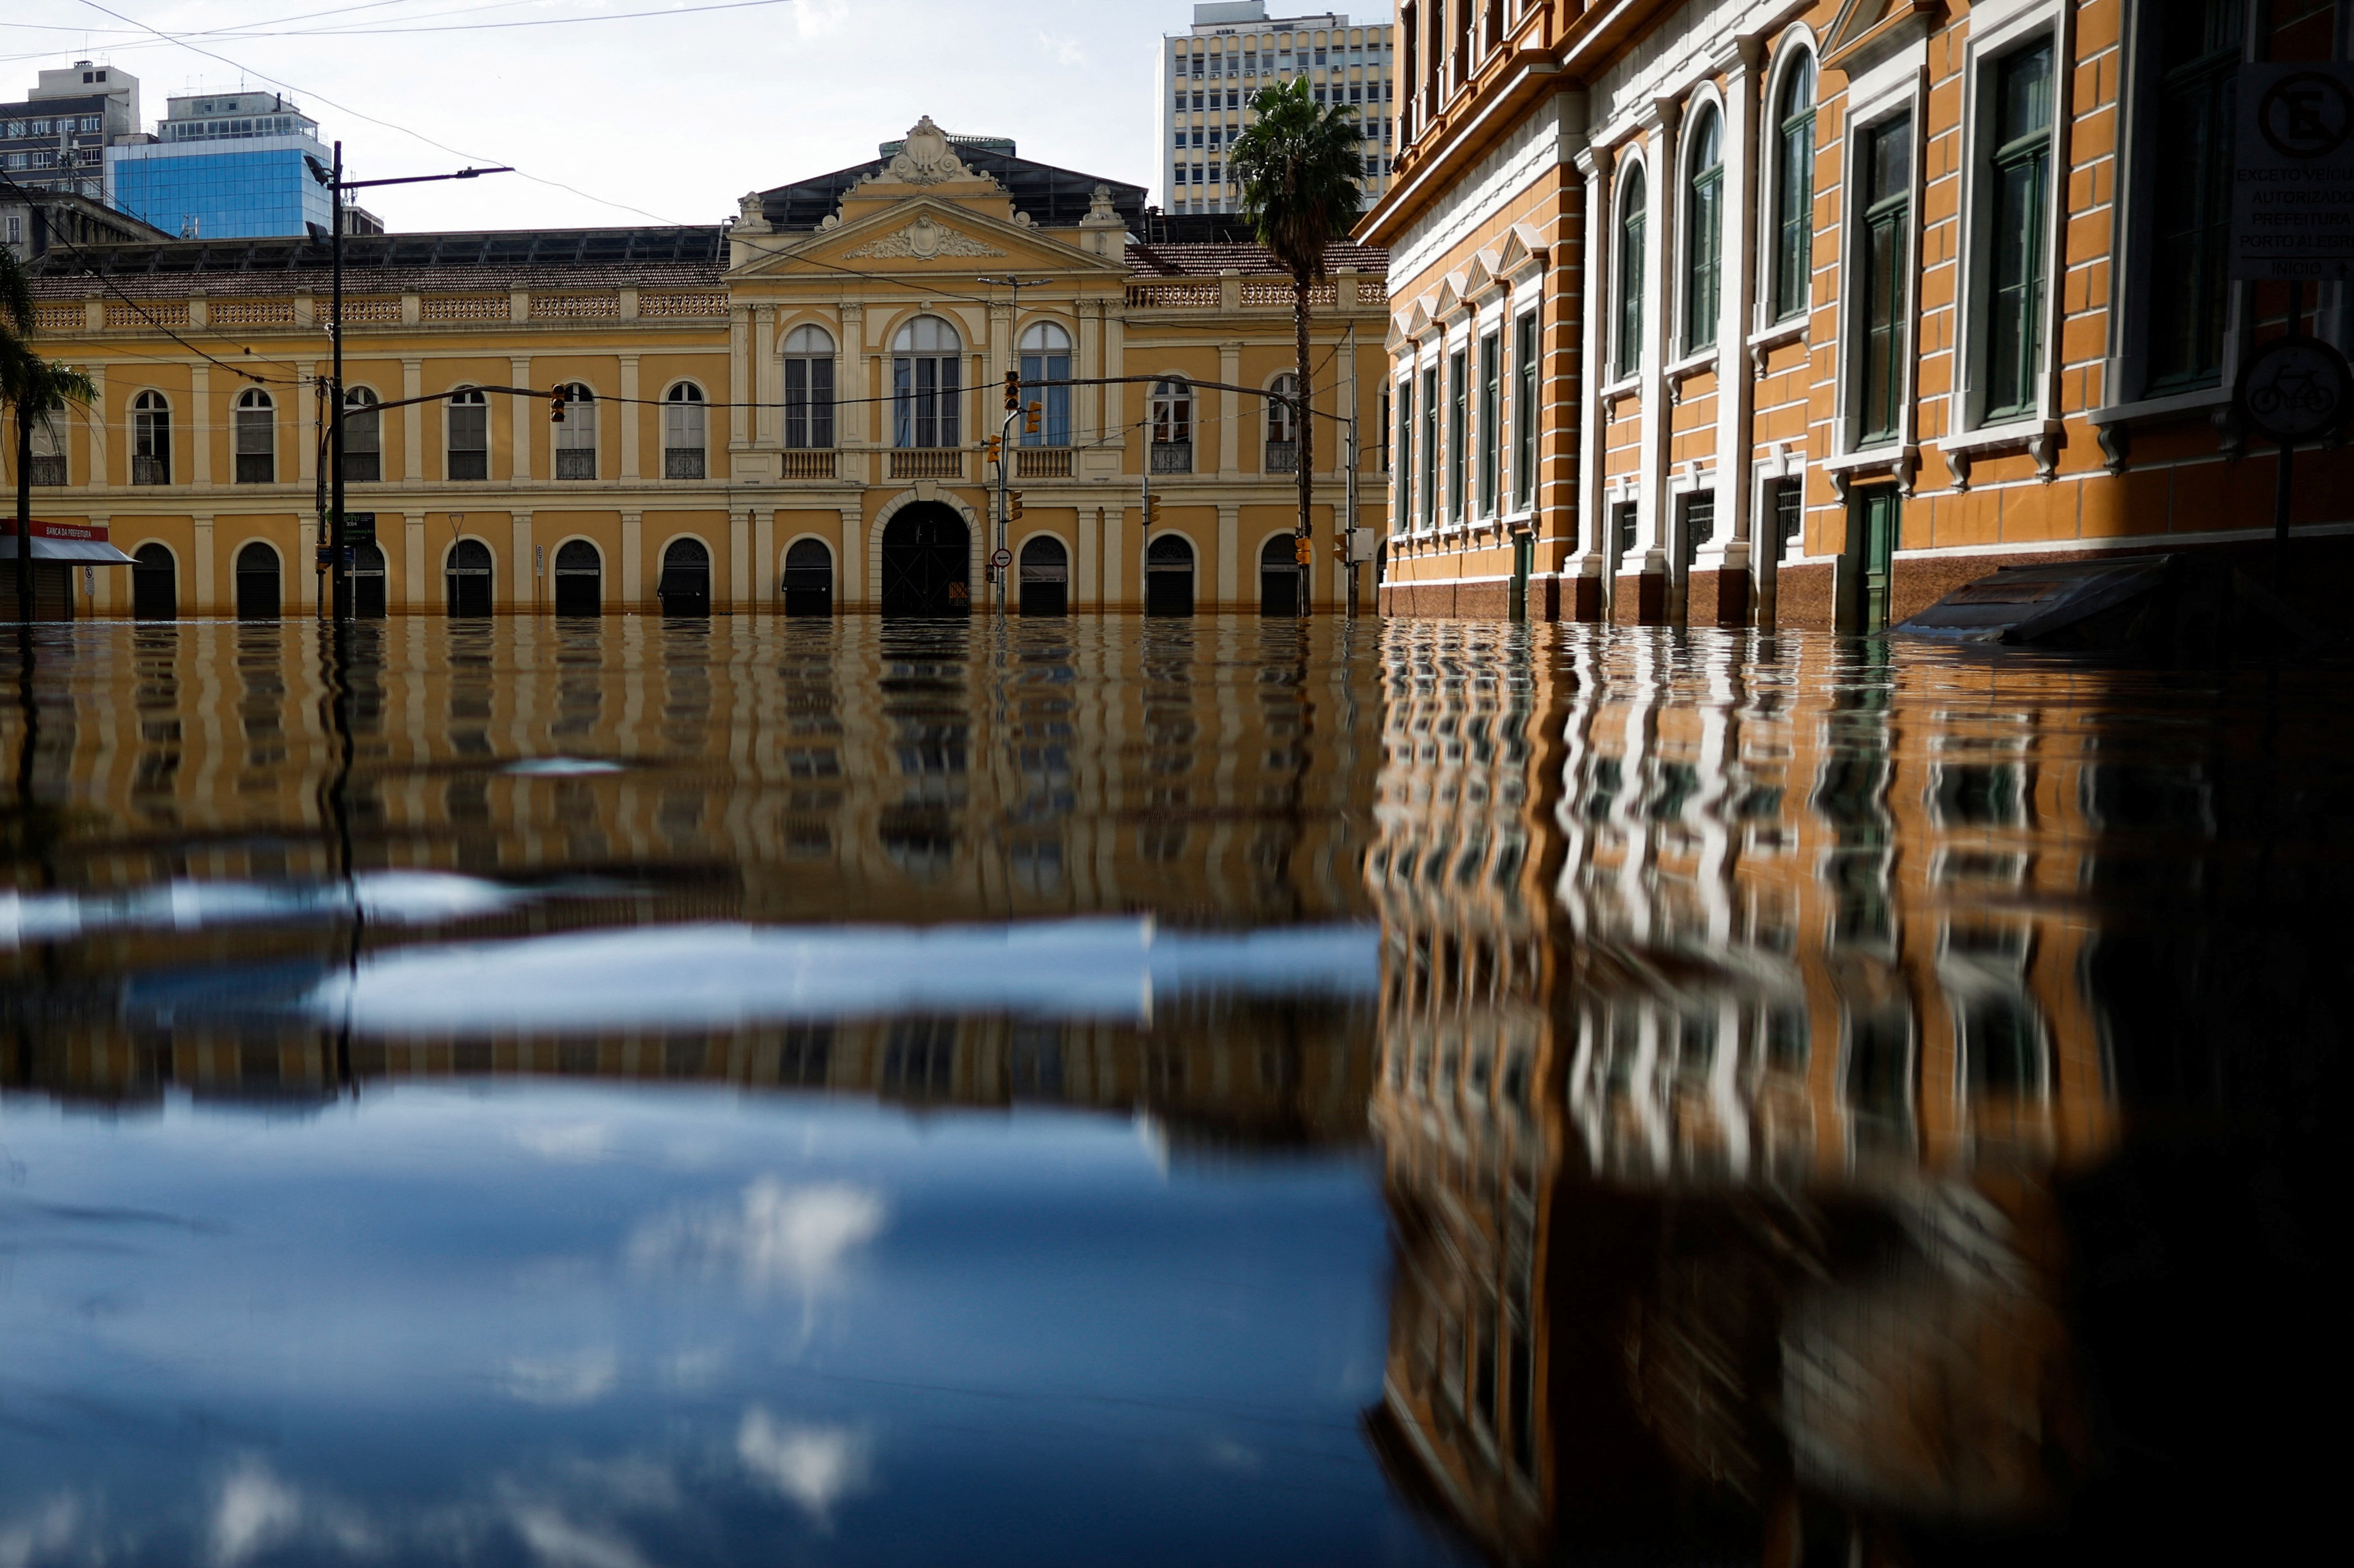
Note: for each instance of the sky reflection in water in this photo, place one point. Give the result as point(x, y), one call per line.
point(1209, 1091)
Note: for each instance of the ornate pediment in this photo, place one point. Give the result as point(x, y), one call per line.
point(922, 240)
point(928, 159)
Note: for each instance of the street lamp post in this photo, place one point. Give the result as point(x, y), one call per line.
point(338, 548)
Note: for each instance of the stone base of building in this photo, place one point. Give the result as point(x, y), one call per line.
point(1489, 600)
point(1717, 598)
point(1639, 601)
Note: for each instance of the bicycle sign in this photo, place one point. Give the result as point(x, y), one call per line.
point(2294, 389)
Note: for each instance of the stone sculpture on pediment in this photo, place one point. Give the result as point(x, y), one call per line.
point(922, 240)
point(928, 159)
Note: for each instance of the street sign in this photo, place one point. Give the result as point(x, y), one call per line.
point(2293, 174)
point(1002, 559)
point(2294, 389)
point(359, 527)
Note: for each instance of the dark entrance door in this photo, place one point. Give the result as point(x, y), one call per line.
point(927, 562)
point(686, 585)
point(367, 582)
point(1169, 577)
point(1872, 526)
point(257, 583)
point(154, 584)
point(579, 578)
point(469, 578)
point(1278, 577)
point(1046, 578)
point(1524, 550)
point(809, 578)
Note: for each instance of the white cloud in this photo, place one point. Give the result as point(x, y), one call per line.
point(571, 1143)
point(46, 1533)
point(775, 1236)
point(817, 18)
point(558, 1541)
point(580, 1378)
point(256, 1511)
point(1061, 48)
point(812, 1466)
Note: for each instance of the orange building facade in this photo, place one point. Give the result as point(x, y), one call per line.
point(1767, 312)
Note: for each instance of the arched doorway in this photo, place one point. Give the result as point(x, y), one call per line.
point(927, 562)
point(154, 584)
point(579, 578)
point(468, 577)
point(256, 582)
point(367, 582)
point(1045, 576)
point(1278, 576)
point(809, 578)
point(684, 586)
point(1169, 577)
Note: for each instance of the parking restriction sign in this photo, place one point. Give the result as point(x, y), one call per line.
point(2293, 174)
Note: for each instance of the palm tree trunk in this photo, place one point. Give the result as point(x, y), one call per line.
point(1307, 429)
point(24, 517)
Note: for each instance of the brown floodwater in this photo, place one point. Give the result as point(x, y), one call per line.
point(1175, 1091)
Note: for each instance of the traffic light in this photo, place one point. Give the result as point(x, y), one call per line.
point(1034, 418)
point(1013, 506)
point(1012, 390)
point(995, 447)
point(1303, 551)
point(555, 407)
point(1153, 512)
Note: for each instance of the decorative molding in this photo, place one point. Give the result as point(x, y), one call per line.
point(928, 159)
point(922, 240)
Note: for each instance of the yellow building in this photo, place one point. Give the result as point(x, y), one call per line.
point(782, 414)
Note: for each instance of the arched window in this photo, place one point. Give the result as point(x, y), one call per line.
point(151, 438)
point(1704, 227)
point(685, 432)
point(1794, 188)
point(579, 578)
point(256, 582)
point(1169, 576)
point(362, 437)
point(1172, 426)
point(809, 578)
point(49, 464)
point(154, 584)
point(685, 587)
point(576, 438)
point(1045, 576)
point(467, 576)
point(1283, 425)
point(809, 389)
point(255, 424)
point(1047, 356)
point(926, 377)
point(1633, 224)
point(469, 434)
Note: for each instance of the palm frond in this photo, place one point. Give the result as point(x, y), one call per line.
point(1299, 165)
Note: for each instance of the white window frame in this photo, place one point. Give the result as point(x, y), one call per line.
point(1889, 88)
point(1797, 42)
point(1705, 98)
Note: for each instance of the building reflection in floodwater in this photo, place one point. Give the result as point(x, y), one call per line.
point(1761, 1026)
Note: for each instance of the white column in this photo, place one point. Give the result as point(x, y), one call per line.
point(739, 378)
point(527, 419)
point(417, 597)
point(205, 604)
point(764, 368)
point(412, 422)
point(1115, 551)
point(1230, 370)
point(853, 557)
point(1230, 527)
point(739, 560)
point(1736, 389)
point(628, 416)
point(525, 594)
point(203, 421)
point(766, 569)
point(633, 548)
point(1658, 189)
point(1083, 566)
point(1591, 556)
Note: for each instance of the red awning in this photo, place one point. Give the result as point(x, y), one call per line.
point(82, 542)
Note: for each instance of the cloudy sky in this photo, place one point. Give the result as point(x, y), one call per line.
point(667, 110)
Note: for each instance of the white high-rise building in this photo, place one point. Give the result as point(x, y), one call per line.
point(1209, 74)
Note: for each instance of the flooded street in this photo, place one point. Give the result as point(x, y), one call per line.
point(1188, 1091)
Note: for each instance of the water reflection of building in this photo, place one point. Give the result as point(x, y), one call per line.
point(1721, 1143)
point(1204, 771)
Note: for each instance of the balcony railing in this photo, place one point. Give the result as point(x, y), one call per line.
point(576, 462)
point(927, 462)
point(1173, 457)
point(151, 471)
point(806, 462)
point(50, 469)
point(1283, 457)
point(683, 462)
point(1042, 462)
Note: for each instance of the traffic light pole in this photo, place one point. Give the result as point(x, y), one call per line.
point(337, 546)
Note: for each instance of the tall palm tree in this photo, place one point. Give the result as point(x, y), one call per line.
point(1299, 165)
point(30, 388)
